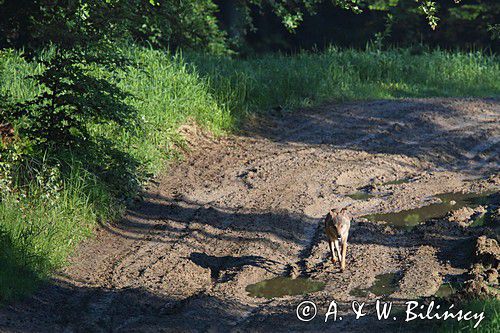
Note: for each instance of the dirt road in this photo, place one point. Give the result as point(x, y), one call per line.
point(248, 207)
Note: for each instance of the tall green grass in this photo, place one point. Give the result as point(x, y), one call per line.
point(39, 231)
point(307, 79)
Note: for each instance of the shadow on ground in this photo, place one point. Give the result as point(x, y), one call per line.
point(66, 307)
point(453, 134)
point(218, 264)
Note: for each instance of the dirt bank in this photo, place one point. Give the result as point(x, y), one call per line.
point(245, 208)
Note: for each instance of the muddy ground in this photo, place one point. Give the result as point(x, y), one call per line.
point(248, 207)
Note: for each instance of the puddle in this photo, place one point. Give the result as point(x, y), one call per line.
point(447, 289)
point(284, 286)
point(450, 201)
point(481, 220)
point(487, 218)
point(385, 284)
point(358, 292)
point(364, 195)
point(397, 181)
point(360, 195)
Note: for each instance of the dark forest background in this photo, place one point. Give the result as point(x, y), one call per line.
point(466, 25)
point(255, 26)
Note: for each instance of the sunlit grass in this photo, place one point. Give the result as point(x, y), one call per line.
point(307, 79)
point(38, 232)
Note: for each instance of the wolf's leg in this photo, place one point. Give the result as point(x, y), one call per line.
point(334, 257)
point(337, 247)
point(344, 252)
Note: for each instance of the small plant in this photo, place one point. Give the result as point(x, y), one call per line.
point(73, 99)
point(494, 30)
point(59, 121)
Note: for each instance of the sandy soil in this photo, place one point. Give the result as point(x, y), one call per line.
point(248, 207)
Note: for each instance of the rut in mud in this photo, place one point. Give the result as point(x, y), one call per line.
point(246, 208)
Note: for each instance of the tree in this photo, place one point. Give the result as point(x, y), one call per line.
point(161, 23)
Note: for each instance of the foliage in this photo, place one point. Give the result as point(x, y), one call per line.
point(174, 24)
point(291, 12)
point(467, 25)
point(66, 191)
point(71, 100)
point(494, 29)
point(215, 25)
point(67, 23)
point(57, 122)
point(461, 25)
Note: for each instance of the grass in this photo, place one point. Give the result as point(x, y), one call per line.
point(308, 79)
point(40, 230)
point(490, 324)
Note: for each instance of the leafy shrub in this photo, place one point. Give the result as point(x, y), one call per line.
point(170, 23)
point(174, 24)
point(72, 99)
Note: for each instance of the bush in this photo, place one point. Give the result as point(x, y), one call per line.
point(55, 190)
point(163, 23)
